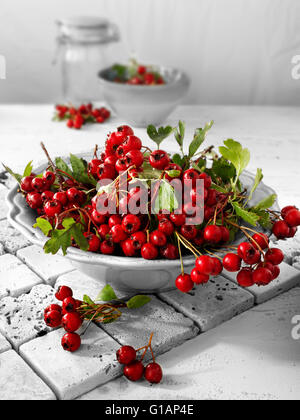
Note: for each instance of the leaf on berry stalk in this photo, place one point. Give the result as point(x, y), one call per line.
point(60, 164)
point(173, 173)
point(266, 203)
point(138, 301)
point(180, 133)
point(107, 294)
point(247, 216)
point(17, 177)
point(221, 168)
point(177, 159)
point(166, 199)
point(28, 169)
point(235, 153)
point(80, 172)
point(43, 225)
point(159, 135)
point(199, 138)
point(264, 219)
point(88, 300)
point(258, 178)
point(149, 172)
point(62, 238)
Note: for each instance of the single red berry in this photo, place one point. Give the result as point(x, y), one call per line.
point(93, 166)
point(71, 342)
point(63, 292)
point(74, 195)
point(213, 234)
point(106, 171)
point(276, 272)
point(53, 308)
point(93, 241)
point(189, 232)
point(178, 219)
point(71, 322)
point(34, 200)
point(153, 373)
point(159, 159)
point(141, 70)
point(117, 234)
point(292, 232)
point(134, 371)
point(270, 267)
point(70, 123)
point(132, 143)
point(38, 184)
point(184, 283)
point(204, 264)
point(111, 160)
point(49, 177)
point(61, 196)
point(170, 252)
point(217, 267)
point(26, 184)
point(292, 218)
point(262, 276)
point(47, 196)
point(248, 253)
point(275, 256)
point(211, 198)
point(191, 175)
point(281, 229)
point(69, 304)
point(149, 251)
point(128, 248)
point(138, 240)
point(208, 213)
point(121, 165)
point(158, 238)
point(207, 180)
point(103, 231)
point(115, 219)
point(126, 355)
point(53, 319)
point(149, 79)
point(245, 278)
point(199, 278)
point(134, 158)
point(52, 208)
point(286, 209)
point(131, 224)
point(98, 219)
point(225, 234)
point(166, 226)
point(125, 131)
point(232, 262)
point(260, 239)
point(107, 247)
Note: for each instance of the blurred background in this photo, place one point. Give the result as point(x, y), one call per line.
point(235, 51)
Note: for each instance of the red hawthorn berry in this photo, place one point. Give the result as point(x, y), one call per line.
point(199, 278)
point(149, 251)
point(126, 355)
point(134, 371)
point(184, 283)
point(53, 319)
point(71, 342)
point(232, 262)
point(153, 373)
point(71, 322)
point(159, 159)
point(63, 292)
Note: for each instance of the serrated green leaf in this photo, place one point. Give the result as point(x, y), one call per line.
point(80, 172)
point(138, 301)
point(234, 153)
point(160, 134)
point(264, 219)
point(247, 216)
point(17, 177)
point(43, 225)
point(166, 199)
point(199, 138)
point(88, 300)
point(258, 178)
point(28, 169)
point(173, 173)
point(177, 159)
point(61, 164)
point(223, 169)
point(266, 203)
point(107, 294)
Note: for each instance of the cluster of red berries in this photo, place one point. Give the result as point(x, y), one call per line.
point(66, 316)
point(77, 117)
point(287, 227)
point(143, 76)
point(134, 369)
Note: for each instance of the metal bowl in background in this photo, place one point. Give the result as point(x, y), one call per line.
point(141, 105)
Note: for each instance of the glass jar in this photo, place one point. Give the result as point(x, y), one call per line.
point(83, 50)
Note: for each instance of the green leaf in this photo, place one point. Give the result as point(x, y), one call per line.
point(149, 172)
point(247, 216)
point(234, 153)
point(88, 300)
point(138, 301)
point(219, 188)
point(258, 178)
point(173, 173)
point(62, 238)
point(266, 203)
point(28, 169)
point(60, 164)
point(199, 138)
point(166, 199)
point(44, 225)
point(180, 133)
point(80, 172)
point(177, 159)
point(264, 219)
point(159, 135)
point(107, 294)
point(17, 177)
point(223, 169)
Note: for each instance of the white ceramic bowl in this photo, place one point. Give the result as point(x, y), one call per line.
point(123, 273)
point(143, 105)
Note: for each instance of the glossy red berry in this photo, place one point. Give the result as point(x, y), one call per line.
point(166, 226)
point(93, 166)
point(248, 253)
point(128, 248)
point(184, 283)
point(107, 247)
point(53, 308)
point(149, 251)
point(134, 158)
point(38, 184)
point(121, 165)
point(126, 355)
point(153, 373)
point(71, 322)
point(245, 278)
point(261, 239)
point(103, 231)
point(49, 177)
point(204, 264)
point(34, 200)
point(292, 218)
point(47, 196)
point(131, 223)
point(98, 219)
point(132, 143)
point(71, 342)
point(61, 196)
point(286, 209)
point(207, 180)
point(93, 242)
point(125, 131)
point(106, 171)
point(262, 276)
point(117, 234)
point(158, 238)
point(134, 371)
point(189, 232)
point(53, 319)
point(159, 159)
point(191, 175)
point(69, 304)
point(292, 232)
point(199, 278)
point(115, 219)
point(225, 234)
point(170, 252)
point(110, 160)
point(217, 267)
point(280, 229)
point(274, 256)
point(63, 292)
point(232, 262)
point(138, 240)
point(53, 208)
point(26, 184)
point(213, 234)
point(74, 195)
point(178, 219)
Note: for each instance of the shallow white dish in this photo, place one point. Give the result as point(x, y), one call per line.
point(143, 105)
point(123, 273)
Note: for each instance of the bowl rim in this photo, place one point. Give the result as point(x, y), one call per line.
point(183, 78)
point(35, 236)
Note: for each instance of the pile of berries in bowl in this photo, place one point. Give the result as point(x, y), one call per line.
point(136, 217)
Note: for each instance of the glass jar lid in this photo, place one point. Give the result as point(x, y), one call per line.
point(87, 29)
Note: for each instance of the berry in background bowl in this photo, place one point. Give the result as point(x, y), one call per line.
point(143, 95)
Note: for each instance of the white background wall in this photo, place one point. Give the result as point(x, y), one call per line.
point(236, 51)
